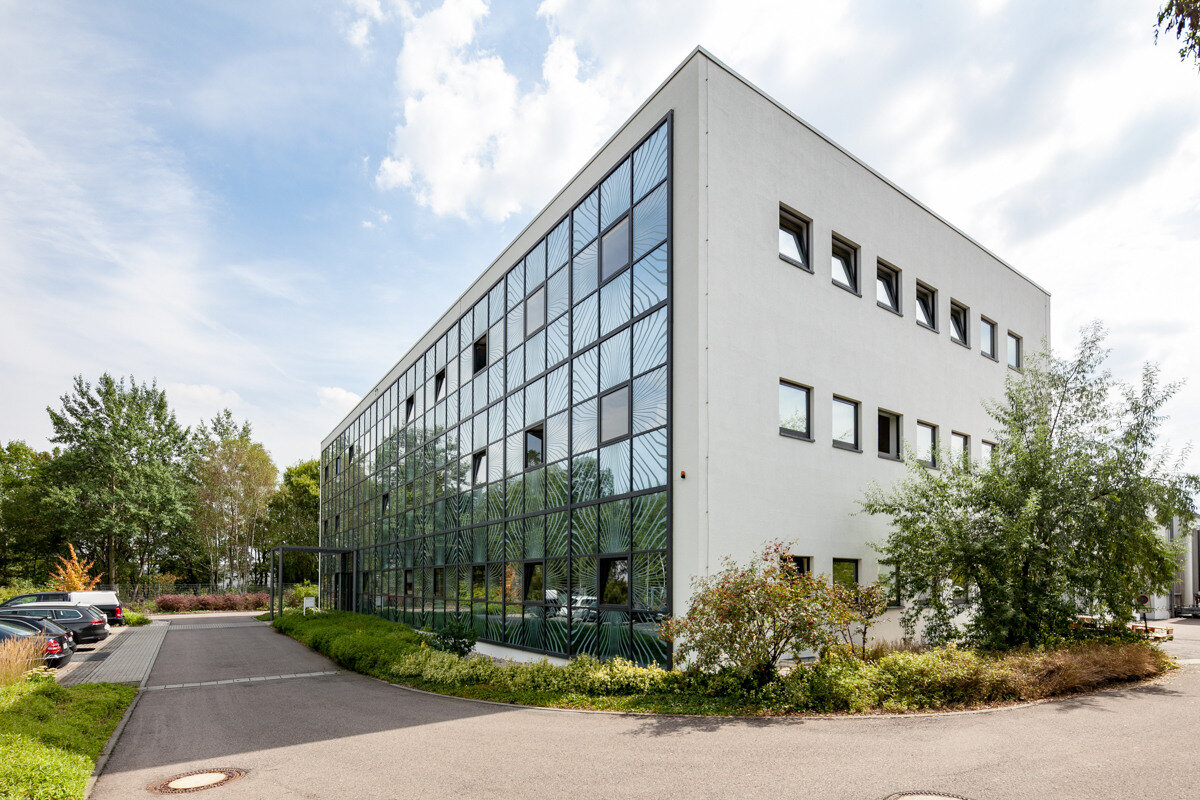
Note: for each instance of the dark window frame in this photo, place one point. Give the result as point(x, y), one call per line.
point(410, 409)
point(541, 290)
point(849, 251)
point(1019, 366)
point(839, 444)
point(604, 564)
point(881, 268)
point(965, 454)
point(439, 386)
point(527, 572)
point(857, 562)
point(479, 467)
point(799, 227)
point(965, 311)
point(924, 289)
point(626, 219)
point(808, 412)
point(932, 462)
point(626, 387)
point(993, 328)
point(896, 440)
point(540, 430)
point(478, 347)
point(802, 564)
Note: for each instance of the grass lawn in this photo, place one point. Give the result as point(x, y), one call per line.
point(50, 736)
point(941, 678)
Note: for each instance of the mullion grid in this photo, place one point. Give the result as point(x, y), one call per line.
point(415, 541)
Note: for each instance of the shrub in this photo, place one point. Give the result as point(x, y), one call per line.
point(294, 598)
point(212, 602)
point(135, 619)
point(750, 617)
point(456, 637)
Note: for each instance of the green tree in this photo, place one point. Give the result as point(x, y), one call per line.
point(25, 542)
point(235, 479)
point(1065, 518)
point(292, 518)
point(1181, 17)
point(122, 483)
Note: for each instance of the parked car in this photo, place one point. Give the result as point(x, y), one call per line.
point(52, 651)
point(89, 623)
point(46, 627)
point(108, 602)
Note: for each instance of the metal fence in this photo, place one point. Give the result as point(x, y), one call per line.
point(131, 594)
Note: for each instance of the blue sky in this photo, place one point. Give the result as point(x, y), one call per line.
point(262, 205)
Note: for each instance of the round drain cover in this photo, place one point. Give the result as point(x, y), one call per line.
point(196, 781)
point(924, 796)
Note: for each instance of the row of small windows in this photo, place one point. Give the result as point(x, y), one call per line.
point(795, 421)
point(794, 249)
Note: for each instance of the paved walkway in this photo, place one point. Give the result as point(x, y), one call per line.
point(307, 730)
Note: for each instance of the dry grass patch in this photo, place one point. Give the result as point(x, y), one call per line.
point(18, 656)
point(1083, 667)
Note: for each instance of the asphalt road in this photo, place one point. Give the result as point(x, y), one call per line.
point(345, 735)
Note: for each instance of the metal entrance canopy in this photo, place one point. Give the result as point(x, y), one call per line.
point(277, 584)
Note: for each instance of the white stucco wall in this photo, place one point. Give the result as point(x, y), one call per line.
point(744, 319)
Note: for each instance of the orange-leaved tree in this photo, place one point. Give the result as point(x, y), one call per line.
point(72, 575)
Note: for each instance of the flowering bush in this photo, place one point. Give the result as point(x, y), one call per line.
point(749, 617)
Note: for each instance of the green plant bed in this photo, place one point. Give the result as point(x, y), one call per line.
point(50, 736)
point(134, 618)
point(942, 678)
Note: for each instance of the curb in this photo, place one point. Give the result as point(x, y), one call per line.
point(102, 759)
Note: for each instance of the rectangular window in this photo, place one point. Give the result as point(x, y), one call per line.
point(614, 250)
point(534, 583)
point(439, 387)
point(927, 444)
point(478, 590)
point(479, 358)
point(844, 265)
point(337, 466)
point(802, 564)
point(410, 409)
point(845, 423)
point(1014, 350)
point(845, 571)
point(887, 287)
point(959, 317)
point(795, 410)
point(535, 312)
point(987, 450)
point(337, 523)
point(409, 586)
point(350, 456)
point(326, 472)
point(987, 338)
point(889, 434)
point(960, 448)
point(479, 468)
point(793, 239)
point(535, 439)
point(614, 415)
point(386, 501)
point(614, 581)
point(927, 306)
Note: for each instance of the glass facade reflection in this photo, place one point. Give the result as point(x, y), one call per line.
point(514, 476)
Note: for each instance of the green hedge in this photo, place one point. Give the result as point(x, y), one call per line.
point(897, 681)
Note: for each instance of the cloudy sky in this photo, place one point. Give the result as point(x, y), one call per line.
point(262, 205)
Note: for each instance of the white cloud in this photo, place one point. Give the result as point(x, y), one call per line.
point(337, 399)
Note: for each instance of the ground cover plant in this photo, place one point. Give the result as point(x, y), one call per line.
point(51, 735)
point(887, 679)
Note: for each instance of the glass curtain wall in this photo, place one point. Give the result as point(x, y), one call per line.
point(515, 476)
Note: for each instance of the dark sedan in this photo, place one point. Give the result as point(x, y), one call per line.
point(87, 623)
point(53, 653)
point(45, 627)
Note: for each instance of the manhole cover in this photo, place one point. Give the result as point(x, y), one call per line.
point(196, 781)
point(924, 796)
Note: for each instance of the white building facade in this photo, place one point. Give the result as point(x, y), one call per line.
point(748, 328)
